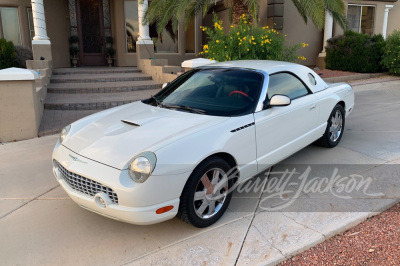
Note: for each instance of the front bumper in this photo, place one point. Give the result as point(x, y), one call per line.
point(137, 203)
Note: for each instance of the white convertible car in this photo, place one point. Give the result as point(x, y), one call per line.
point(173, 154)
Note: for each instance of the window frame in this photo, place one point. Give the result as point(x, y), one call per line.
point(125, 37)
point(31, 26)
point(361, 6)
point(19, 23)
point(295, 76)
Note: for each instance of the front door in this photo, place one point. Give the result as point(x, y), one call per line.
point(283, 130)
point(91, 32)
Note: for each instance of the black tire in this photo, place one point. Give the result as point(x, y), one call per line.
point(187, 211)
point(326, 140)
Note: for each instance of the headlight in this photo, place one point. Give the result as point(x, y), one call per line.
point(142, 166)
point(64, 133)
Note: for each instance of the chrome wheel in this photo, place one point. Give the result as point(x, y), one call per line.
point(336, 126)
point(210, 194)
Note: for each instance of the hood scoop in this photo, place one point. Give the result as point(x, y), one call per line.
point(130, 123)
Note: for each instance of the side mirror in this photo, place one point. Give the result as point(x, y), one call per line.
point(164, 85)
point(279, 100)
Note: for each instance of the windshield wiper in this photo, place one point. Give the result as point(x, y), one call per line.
point(157, 101)
point(184, 107)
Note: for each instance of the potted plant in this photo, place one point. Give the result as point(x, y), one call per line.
point(73, 40)
point(110, 52)
point(109, 41)
point(73, 51)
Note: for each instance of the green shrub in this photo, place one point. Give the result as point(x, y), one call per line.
point(247, 42)
point(110, 52)
point(22, 54)
point(391, 57)
point(355, 52)
point(73, 51)
point(73, 39)
point(7, 54)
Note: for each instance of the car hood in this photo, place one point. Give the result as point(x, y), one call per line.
point(117, 136)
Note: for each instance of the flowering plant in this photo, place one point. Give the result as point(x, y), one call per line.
point(245, 41)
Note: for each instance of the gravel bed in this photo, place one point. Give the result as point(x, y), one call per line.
point(373, 242)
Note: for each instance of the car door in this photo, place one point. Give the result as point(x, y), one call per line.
point(283, 130)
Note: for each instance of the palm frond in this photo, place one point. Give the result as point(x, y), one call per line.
point(337, 9)
point(313, 9)
point(253, 6)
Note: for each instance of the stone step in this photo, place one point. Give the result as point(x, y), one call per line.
point(94, 101)
point(94, 70)
point(106, 87)
point(171, 69)
point(53, 121)
point(96, 78)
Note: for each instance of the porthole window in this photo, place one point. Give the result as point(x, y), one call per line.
point(312, 79)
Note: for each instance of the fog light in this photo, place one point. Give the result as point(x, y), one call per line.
point(102, 203)
point(102, 200)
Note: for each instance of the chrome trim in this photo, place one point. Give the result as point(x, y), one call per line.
point(85, 185)
point(263, 93)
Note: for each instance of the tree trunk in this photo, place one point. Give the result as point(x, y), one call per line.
point(238, 9)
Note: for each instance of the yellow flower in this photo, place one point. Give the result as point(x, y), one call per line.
point(226, 47)
point(205, 47)
point(248, 50)
point(237, 33)
point(217, 41)
point(254, 43)
point(240, 43)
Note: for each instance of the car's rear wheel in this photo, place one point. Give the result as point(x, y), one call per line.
point(206, 195)
point(334, 130)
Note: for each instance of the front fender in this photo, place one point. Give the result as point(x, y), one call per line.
point(185, 154)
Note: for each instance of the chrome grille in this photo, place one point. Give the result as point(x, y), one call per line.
point(85, 185)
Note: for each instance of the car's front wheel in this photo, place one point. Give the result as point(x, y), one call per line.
point(334, 129)
point(206, 195)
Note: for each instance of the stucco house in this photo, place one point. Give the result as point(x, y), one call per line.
point(49, 23)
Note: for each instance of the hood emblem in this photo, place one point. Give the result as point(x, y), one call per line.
point(76, 159)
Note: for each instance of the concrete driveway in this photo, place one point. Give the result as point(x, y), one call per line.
point(39, 224)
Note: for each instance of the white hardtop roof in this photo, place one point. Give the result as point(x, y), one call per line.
point(271, 67)
point(268, 66)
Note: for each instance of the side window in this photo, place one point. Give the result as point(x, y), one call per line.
point(286, 84)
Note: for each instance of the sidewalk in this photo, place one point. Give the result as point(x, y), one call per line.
point(39, 224)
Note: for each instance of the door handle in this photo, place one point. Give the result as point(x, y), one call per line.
point(313, 106)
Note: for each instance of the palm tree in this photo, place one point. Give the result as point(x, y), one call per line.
point(163, 12)
point(315, 10)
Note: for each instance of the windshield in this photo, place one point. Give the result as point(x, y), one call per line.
point(216, 91)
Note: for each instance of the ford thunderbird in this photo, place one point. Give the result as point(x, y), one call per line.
point(173, 154)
